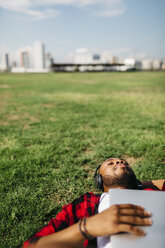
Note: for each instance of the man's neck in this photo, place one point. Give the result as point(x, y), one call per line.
point(115, 187)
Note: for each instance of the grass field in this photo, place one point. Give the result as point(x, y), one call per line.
point(56, 128)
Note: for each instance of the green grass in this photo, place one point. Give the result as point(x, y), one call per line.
point(56, 128)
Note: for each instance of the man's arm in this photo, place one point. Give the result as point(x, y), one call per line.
point(154, 184)
point(83, 206)
point(61, 221)
point(117, 218)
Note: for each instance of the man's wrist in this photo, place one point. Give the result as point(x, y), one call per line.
point(83, 228)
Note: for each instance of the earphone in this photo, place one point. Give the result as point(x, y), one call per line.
point(99, 180)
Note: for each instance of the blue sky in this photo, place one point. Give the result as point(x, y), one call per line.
point(122, 27)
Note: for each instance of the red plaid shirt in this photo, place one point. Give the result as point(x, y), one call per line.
point(84, 206)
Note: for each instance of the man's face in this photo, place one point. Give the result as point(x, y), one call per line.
point(117, 172)
point(114, 166)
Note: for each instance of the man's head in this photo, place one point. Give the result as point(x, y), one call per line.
point(116, 173)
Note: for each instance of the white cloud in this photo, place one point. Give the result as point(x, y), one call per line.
point(109, 13)
point(46, 13)
point(41, 9)
point(141, 56)
point(122, 50)
point(28, 7)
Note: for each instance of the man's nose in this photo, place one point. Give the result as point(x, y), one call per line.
point(119, 162)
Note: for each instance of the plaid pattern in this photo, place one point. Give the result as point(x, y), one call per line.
point(84, 206)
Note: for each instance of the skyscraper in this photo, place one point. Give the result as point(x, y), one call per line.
point(4, 63)
point(39, 55)
point(24, 59)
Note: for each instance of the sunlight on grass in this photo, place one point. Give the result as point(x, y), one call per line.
point(8, 143)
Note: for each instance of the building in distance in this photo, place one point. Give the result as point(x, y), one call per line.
point(38, 55)
point(33, 59)
point(4, 62)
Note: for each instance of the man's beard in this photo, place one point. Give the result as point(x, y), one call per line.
point(127, 180)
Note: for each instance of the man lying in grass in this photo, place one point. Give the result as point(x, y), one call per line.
point(74, 226)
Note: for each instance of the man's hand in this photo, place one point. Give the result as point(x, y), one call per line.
point(119, 218)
